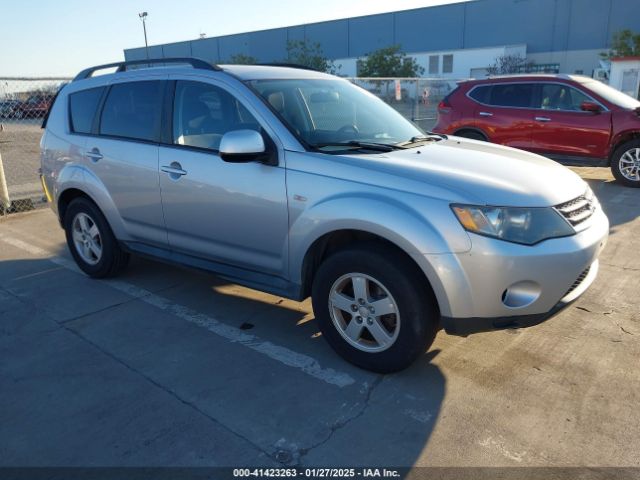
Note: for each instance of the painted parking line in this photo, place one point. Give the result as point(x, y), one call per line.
point(288, 357)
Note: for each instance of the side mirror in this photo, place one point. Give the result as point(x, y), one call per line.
point(590, 107)
point(240, 146)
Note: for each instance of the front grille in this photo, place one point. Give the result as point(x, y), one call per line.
point(577, 210)
point(578, 281)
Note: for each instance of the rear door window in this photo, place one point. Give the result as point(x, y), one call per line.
point(82, 109)
point(133, 110)
point(517, 95)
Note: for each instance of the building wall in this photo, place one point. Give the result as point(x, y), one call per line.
point(625, 76)
point(570, 61)
point(465, 62)
point(544, 26)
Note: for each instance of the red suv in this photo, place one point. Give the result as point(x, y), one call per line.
point(565, 117)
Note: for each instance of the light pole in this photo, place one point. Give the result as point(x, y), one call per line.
point(143, 17)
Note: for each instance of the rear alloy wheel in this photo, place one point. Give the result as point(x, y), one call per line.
point(625, 164)
point(86, 238)
point(374, 307)
point(91, 241)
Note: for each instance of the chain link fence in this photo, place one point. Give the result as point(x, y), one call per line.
point(23, 104)
point(416, 99)
point(25, 101)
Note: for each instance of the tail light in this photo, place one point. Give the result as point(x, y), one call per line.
point(444, 106)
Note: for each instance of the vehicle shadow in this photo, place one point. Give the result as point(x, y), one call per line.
point(395, 425)
point(295, 419)
point(620, 203)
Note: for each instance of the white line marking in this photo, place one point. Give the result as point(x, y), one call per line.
point(499, 444)
point(283, 355)
point(422, 417)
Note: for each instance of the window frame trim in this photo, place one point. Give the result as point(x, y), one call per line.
point(537, 88)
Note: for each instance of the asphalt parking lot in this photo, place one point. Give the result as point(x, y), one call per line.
point(166, 366)
point(19, 146)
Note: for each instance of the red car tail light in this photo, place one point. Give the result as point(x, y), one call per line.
point(444, 106)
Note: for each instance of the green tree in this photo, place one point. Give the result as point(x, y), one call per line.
point(242, 59)
point(309, 55)
point(389, 62)
point(625, 43)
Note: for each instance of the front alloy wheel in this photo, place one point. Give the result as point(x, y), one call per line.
point(364, 312)
point(630, 164)
point(374, 306)
point(625, 164)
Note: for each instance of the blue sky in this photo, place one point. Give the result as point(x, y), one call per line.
point(60, 37)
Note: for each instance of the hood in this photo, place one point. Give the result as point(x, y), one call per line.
point(491, 174)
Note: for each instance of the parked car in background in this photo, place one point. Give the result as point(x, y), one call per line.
point(301, 184)
point(36, 106)
point(7, 108)
point(565, 117)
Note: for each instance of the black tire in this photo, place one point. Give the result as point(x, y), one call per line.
point(615, 163)
point(472, 135)
point(416, 304)
point(113, 259)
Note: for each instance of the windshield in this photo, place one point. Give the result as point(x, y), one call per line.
point(612, 95)
point(329, 113)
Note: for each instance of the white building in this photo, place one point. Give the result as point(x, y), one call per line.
point(467, 63)
point(625, 75)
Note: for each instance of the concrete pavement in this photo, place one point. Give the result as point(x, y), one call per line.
point(166, 366)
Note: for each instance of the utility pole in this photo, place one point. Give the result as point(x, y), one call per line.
point(143, 17)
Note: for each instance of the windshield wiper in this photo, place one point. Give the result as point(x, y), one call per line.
point(434, 137)
point(354, 144)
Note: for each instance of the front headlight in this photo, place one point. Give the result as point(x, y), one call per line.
point(513, 224)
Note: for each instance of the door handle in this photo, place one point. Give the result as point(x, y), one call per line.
point(94, 155)
point(174, 170)
point(486, 114)
point(542, 119)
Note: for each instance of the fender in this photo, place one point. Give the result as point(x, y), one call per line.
point(622, 137)
point(78, 177)
point(388, 218)
point(472, 129)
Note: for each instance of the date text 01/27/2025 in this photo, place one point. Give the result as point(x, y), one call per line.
point(315, 473)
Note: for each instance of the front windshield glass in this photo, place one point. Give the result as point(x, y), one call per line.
point(612, 95)
point(328, 113)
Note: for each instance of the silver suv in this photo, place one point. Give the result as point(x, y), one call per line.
point(301, 184)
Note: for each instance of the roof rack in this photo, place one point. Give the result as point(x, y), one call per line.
point(289, 65)
point(122, 66)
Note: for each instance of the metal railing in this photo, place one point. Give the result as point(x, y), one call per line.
point(24, 101)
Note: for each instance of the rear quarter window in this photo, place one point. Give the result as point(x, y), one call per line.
point(82, 109)
point(481, 94)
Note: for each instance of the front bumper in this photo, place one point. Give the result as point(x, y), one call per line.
point(467, 326)
point(499, 284)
